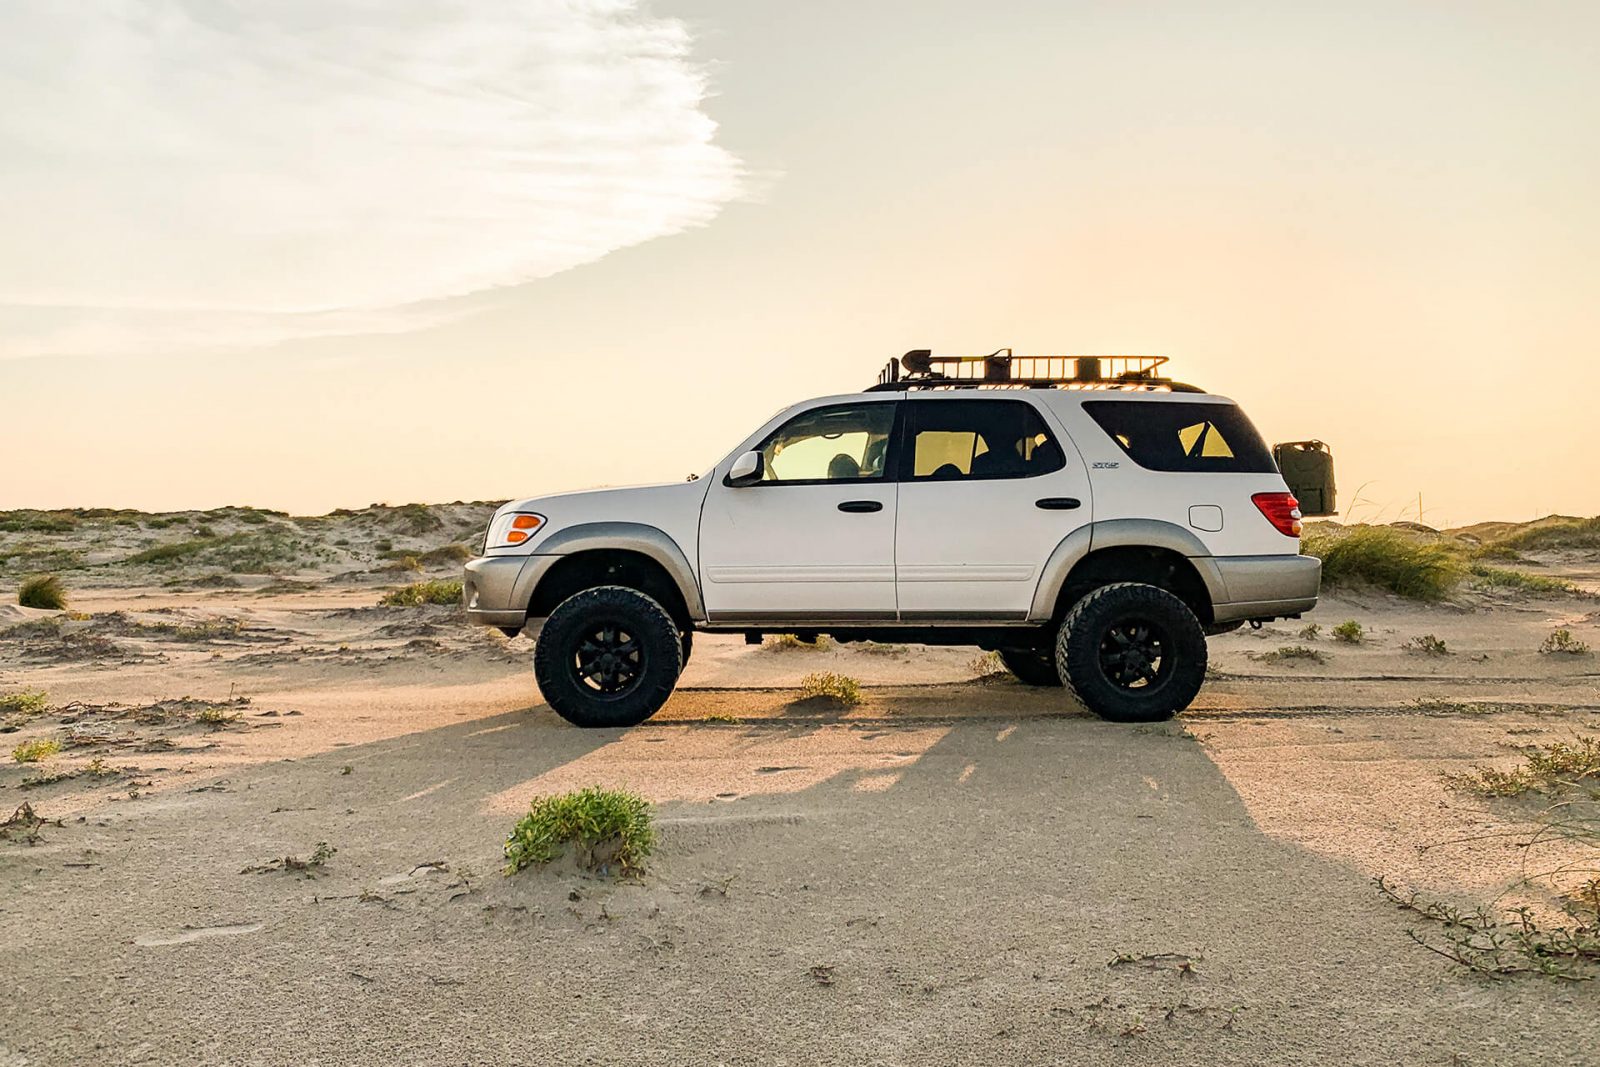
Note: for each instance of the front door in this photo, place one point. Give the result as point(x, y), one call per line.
point(812, 541)
point(987, 492)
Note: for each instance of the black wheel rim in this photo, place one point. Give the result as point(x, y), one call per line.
point(609, 659)
point(1136, 654)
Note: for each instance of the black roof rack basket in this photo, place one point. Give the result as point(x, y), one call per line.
point(1003, 370)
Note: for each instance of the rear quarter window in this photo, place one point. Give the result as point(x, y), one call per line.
point(1183, 436)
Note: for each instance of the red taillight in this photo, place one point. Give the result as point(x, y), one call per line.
point(1282, 510)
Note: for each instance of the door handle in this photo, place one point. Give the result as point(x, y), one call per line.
point(1058, 503)
point(861, 505)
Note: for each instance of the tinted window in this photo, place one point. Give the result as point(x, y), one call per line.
point(955, 439)
point(837, 444)
point(1181, 436)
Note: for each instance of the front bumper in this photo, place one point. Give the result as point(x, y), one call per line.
point(495, 590)
point(1267, 587)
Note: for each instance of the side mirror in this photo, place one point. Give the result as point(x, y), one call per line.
point(747, 470)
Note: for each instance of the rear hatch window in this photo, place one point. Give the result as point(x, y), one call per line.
point(1183, 436)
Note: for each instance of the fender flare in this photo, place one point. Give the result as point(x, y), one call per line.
point(648, 541)
point(1116, 533)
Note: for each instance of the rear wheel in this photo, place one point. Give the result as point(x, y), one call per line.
point(1132, 653)
point(608, 656)
point(1032, 666)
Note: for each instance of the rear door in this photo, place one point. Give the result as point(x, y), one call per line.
point(988, 489)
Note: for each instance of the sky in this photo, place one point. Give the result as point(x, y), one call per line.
point(307, 255)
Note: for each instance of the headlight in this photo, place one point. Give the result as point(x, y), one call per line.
point(512, 529)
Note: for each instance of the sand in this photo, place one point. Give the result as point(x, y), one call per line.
point(960, 871)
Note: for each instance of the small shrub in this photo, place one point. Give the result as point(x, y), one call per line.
point(1427, 645)
point(1518, 581)
point(794, 643)
point(28, 702)
point(418, 593)
point(1310, 632)
point(212, 715)
point(445, 555)
point(1562, 641)
point(1350, 632)
point(988, 665)
point(836, 688)
point(310, 867)
point(178, 550)
point(607, 826)
point(1405, 563)
point(1500, 945)
point(36, 750)
point(42, 591)
point(1293, 652)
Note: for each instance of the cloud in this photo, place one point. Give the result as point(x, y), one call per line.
point(219, 173)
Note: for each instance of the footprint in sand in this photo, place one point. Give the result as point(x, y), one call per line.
point(196, 933)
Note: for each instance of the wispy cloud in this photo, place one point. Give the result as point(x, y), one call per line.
point(208, 173)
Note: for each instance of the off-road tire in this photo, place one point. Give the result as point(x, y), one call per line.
point(1092, 652)
point(648, 670)
point(1032, 666)
point(688, 647)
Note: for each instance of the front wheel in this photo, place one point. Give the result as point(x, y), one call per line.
point(608, 656)
point(1132, 653)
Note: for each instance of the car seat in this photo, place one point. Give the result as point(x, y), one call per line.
point(842, 468)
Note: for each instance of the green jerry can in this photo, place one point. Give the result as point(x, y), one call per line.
point(1308, 468)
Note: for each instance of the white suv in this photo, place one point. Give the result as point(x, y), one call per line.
point(1091, 521)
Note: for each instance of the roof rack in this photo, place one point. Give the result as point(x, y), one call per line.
point(1003, 370)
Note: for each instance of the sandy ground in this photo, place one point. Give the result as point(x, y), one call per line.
point(946, 875)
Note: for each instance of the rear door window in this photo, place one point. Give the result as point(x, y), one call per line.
point(1183, 436)
point(950, 440)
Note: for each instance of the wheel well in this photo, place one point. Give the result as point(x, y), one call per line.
point(608, 566)
point(1132, 563)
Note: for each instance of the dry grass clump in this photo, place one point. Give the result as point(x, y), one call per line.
point(1545, 768)
point(419, 593)
point(1417, 564)
point(1403, 562)
point(1562, 642)
point(1556, 534)
point(1484, 577)
point(38, 749)
point(1427, 645)
point(834, 688)
point(1292, 653)
point(609, 827)
point(43, 591)
point(795, 643)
